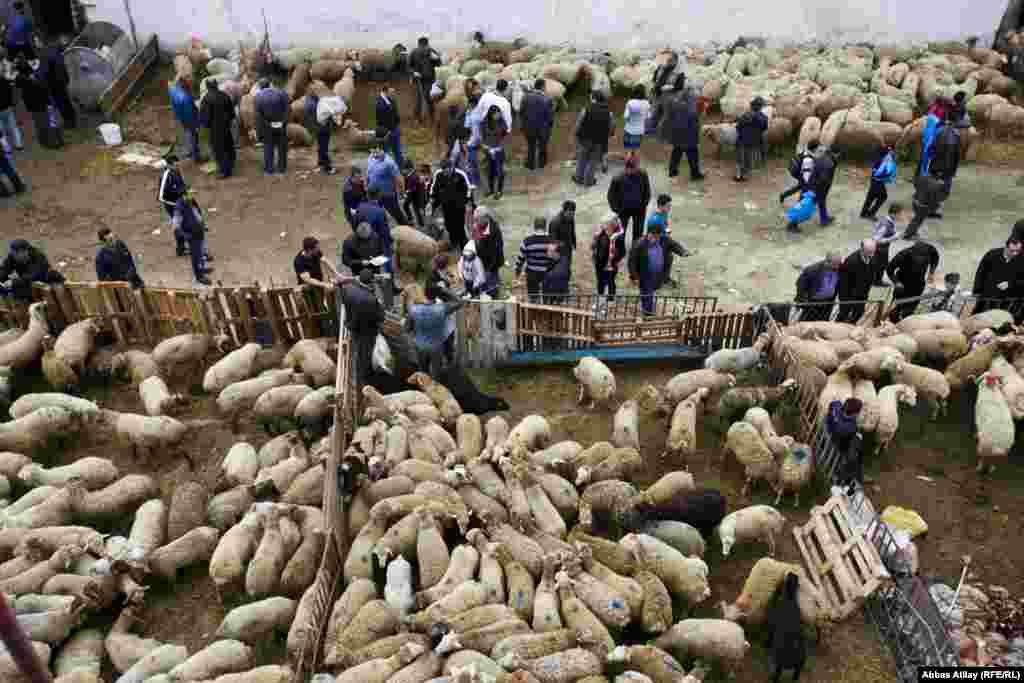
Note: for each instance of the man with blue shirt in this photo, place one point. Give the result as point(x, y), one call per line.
point(671, 248)
point(384, 176)
point(647, 266)
point(185, 111)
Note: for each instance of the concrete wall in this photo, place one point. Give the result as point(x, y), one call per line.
point(378, 23)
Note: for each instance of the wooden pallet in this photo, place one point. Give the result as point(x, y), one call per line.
point(843, 563)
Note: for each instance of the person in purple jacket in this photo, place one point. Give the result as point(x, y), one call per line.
point(819, 284)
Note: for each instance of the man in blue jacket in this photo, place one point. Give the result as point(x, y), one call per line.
point(538, 117)
point(272, 110)
point(184, 107)
point(384, 176)
point(188, 222)
point(114, 261)
point(841, 423)
point(353, 193)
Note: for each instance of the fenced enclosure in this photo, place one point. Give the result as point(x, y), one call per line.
point(268, 316)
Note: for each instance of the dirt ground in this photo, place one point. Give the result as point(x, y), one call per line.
point(257, 224)
point(966, 515)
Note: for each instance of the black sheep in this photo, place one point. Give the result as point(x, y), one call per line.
point(703, 510)
point(465, 392)
point(789, 650)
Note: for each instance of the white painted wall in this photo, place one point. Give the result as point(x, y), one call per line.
point(604, 23)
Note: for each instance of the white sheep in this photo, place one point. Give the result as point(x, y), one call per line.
point(709, 640)
point(754, 523)
point(794, 472)
point(682, 435)
point(930, 384)
point(735, 360)
point(596, 381)
point(839, 387)
point(888, 422)
point(751, 450)
point(993, 420)
point(398, 590)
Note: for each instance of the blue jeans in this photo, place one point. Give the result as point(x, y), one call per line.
point(823, 208)
point(474, 164)
point(947, 186)
point(393, 145)
point(9, 128)
point(647, 289)
point(275, 140)
point(7, 169)
point(496, 170)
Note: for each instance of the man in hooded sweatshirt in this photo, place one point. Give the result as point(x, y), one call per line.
point(562, 229)
point(217, 113)
point(361, 248)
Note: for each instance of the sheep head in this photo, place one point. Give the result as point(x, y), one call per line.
point(37, 313)
point(891, 364)
point(907, 394)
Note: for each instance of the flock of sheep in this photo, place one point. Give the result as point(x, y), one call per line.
point(853, 96)
point(849, 361)
point(260, 532)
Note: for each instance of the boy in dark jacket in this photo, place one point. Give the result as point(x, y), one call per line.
point(562, 229)
point(490, 246)
point(824, 174)
point(749, 138)
point(353, 194)
point(629, 193)
point(608, 250)
point(883, 172)
point(910, 271)
point(415, 190)
point(841, 424)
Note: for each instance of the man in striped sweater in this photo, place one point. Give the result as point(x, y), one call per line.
point(535, 255)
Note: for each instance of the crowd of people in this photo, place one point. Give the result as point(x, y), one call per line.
point(634, 236)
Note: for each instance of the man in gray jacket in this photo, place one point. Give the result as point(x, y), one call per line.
point(272, 110)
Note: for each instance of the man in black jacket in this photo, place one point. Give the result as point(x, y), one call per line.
point(363, 317)
point(928, 192)
point(594, 127)
point(629, 193)
point(36, 97)
point(451, 192)
point(1000, 275)
point(423, 61)
point(114, 261)
point(818, 284)
point(855, 280)
point(946, 155)
point(537, 113)
point(24, 265)
point(910, 270)
point(562, 229)
point(217, 113)
point(358, 250)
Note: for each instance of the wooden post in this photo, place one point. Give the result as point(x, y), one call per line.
point(241, 301)
point(142, 315)
point(274, 316)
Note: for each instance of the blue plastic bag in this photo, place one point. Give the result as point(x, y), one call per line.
point(803, 209)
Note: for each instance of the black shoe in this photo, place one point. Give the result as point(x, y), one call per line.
point(497, 196)
point(793, 227)
point(577, 180)
point(673, 175)
point(204, 281)
point(782, 200)
point(737, 178)
point(671, 283)
point(882, 283)
point(181, 251)
point(829, 222)
point(935, 214)
point(699, 176)
point(909, 235)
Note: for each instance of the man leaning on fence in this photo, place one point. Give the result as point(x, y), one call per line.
point(24, 265)
point(855, 280)
point(910, 270)
point(1000, 276)
point(364, 315)
point(818, 285)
